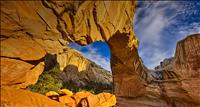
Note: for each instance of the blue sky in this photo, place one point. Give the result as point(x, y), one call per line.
point(98, 52)
point(158, 26)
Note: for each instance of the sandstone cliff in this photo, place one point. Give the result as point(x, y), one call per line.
point(47, 26)
point(165, 70)
point(32, 29)
point(187, 63)
point(179, 82)
point(72, 57)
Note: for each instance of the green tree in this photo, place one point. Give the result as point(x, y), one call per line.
point(48, 81)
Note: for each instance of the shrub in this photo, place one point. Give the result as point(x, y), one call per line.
point(48, 81)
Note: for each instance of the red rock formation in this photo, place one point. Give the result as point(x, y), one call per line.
point(11, 97)
point(30, 29)
point(187, 65)
point(180, 85)
point(187, 57)
point(19, 74)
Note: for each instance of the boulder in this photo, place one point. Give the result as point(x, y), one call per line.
point(66, 92)
point(80, 95)
point(13, 71)
point(11, 97)
point(100, 100)
point(19, 74)
point(51, 93)
point(67, 100)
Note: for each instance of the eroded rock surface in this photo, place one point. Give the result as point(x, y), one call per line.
point(84, 99)
point(72, 57)
point(187, 63)
point(50, 25)
point(32, 29)
point(19, 74)
point(11, 97)
point(179, 83)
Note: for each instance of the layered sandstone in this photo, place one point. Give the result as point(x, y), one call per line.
point(179, 82)
point(48, 26)
point(19, 74)
point(187, 63)
point(72, 57)
point(11, 97)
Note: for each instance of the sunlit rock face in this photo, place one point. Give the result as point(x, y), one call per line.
point(31, 29)
point(180, 74)
point(11, 97)
point(82, 72)
point(72, 57)
point(187, 65)
point(19, 74)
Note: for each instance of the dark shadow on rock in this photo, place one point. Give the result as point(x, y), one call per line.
point(50, 61)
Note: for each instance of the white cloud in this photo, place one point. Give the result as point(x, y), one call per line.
point(96, 57)
point(188, 30)
point(152, 19)
point(153, 22)
point(153, 58)
point(149, 30)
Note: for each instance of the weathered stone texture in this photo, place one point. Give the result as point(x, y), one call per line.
point(11, 97)
point(187, 63)
point(31, 29)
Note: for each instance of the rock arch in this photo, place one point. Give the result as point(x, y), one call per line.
point(128, 74)
point(49, 26)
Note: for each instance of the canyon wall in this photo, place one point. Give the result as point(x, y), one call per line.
point(187, 61)
point(187, 65)
point(32, 29)
point(180, 74)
